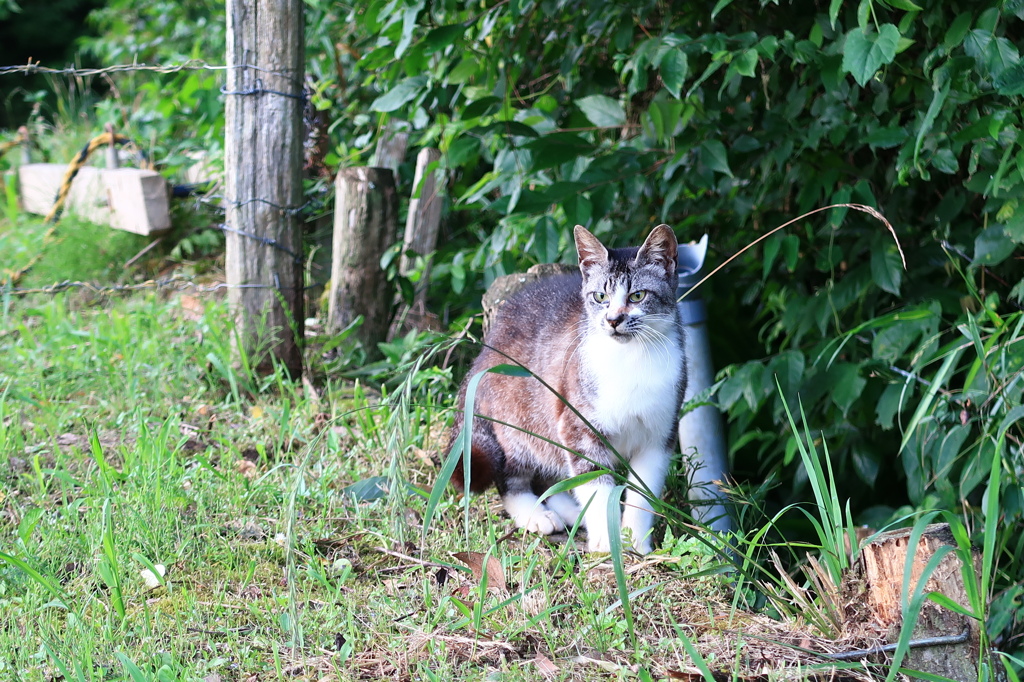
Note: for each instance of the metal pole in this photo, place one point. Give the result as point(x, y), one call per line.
point(701, 428)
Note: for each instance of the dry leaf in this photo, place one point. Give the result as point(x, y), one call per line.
point(246, 468)
point(475, 561)
point(544, 664)
point(192, 307)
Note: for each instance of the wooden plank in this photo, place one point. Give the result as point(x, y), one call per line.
point(128, 199)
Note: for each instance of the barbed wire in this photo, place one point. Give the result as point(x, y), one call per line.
point(191, 65)
point(176, 282)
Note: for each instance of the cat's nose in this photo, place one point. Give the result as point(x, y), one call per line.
point(614, 320)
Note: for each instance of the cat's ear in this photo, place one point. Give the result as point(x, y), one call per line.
point(589, 248)
point(660, 248)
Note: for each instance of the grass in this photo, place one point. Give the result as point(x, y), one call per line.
point(291, 523)
point(125, 446)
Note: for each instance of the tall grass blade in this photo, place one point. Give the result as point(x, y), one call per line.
point(615, 538)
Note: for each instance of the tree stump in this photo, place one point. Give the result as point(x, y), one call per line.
point(883, 561)
point(391, 146)
point(364, 227)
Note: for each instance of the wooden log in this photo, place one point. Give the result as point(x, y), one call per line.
point(422, 224)
point(365, 225)
point(263, 177)
point(391, 146)
point(883, 561)
point(128, 199)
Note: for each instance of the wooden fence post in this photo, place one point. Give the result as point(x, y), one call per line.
point(422, 223)
point(263, 177)
point(391, 146)
point(365, 225)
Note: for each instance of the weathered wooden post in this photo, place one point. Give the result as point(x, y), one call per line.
point(391, 146)
point(422, 223)
point(263, 177)
point(365, 225)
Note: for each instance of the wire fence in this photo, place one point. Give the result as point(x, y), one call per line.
point(8, 285)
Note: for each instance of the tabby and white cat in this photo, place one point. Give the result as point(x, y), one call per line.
point(609, 340)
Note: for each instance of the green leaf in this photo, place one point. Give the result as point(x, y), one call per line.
point(467, 67)
point(719, 6)
point(887, 269)
point(903, 4)
point(674, 69)
point(404, 92)
point(992, 246)
point(1014, 228)
point(367, 490)
point(833, 12)
point(1010, 82)
point(945, 161)
point(886, 138)
point(443, 36)
point(714, 156)
point(864, 53)
point(957, 30)
point(556, 149)
point(847, 384)
point(745, 63)
point(602, 111)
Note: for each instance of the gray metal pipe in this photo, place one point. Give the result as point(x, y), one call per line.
point(701, 429)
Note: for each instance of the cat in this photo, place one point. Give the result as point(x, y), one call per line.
point(610, 341)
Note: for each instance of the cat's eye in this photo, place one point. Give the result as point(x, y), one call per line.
point(637, 296)
point(600, 296)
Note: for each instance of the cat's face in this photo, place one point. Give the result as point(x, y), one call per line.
point(629, 293)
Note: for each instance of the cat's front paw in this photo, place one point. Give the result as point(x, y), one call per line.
point(599, 543)
point(542, 521)
point(643, 546)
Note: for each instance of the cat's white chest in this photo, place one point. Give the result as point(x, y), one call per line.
point(635, 390)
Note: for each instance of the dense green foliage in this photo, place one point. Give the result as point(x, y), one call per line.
point(729, 121)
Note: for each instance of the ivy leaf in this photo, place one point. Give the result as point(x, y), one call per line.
point(745, 63)
point(602, 111)
point(674, 68)
point(887, 270)
point(864, 53)
point(404, 92)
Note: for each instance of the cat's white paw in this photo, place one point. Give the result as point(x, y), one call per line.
point(599, 543)
point(542, 521)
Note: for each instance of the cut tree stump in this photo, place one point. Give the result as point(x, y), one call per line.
point(882, 564)
point(365, 225)
point(128, 199)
